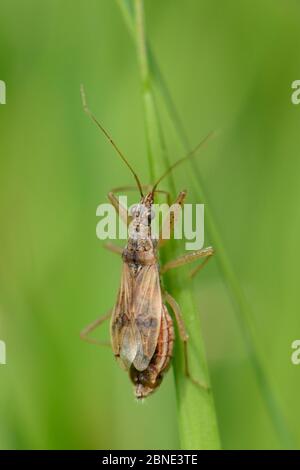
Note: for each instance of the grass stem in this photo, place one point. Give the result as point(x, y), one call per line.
point(196, 414)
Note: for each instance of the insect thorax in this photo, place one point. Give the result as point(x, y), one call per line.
point(141, 248)
point(140, 252)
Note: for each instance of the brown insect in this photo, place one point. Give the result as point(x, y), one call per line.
point(142, 331)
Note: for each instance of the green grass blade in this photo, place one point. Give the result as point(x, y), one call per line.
point(197, 420)
point(156, 75)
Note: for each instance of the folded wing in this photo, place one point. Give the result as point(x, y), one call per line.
point(136, 317)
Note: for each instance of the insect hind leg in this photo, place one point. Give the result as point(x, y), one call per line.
point(84, 334)
point(184, 337)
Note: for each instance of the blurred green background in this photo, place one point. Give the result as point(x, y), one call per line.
point(229, 66)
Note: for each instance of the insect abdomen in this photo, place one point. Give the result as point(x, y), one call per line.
point(148, 380)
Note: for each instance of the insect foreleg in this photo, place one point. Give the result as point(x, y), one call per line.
point(91, 327)
point(170, 221)
point(121, 210)
point(184, 337)
point(189, 258)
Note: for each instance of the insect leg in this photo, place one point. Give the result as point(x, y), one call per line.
point(184, 337)
point(171, 220)
point(91, 327)
point(114, 248)
point(189, 258)
point(121, 210)
point(166, 193)
point(146, 187)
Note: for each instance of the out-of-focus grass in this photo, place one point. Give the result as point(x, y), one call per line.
point(230, 68)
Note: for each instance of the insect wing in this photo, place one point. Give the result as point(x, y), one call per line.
point(123, 336)
point(146, 308)
point(136, 318)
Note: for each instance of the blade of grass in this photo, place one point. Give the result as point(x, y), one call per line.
point(197, 420)
point(155, 140)
point(156, 75)
point(242, 308)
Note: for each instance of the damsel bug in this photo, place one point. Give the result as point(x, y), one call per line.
point(142, 331)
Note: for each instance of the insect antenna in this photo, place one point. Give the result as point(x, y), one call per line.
point(183, 159)
point(91, 115)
